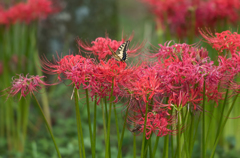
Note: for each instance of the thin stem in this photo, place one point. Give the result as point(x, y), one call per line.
point(165, 148)
point(223, 125)
point(150, 148)
point(123, 130)
point(44, 97)
point(171, 138)
point(179, 135)
point(95, 123)
point(195, 134)
point(104, 128)
point(109, 121)
point(203, 124)
point(208, 139)
point(81, 147)
point(48, 127)
point(223, 109)
point(89, 123)
point(144, 130)
point(155, 146)
point(25, 119)
point(134, 142)
point(117, 129)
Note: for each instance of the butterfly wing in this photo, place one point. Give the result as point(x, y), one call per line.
point(115, 56)
point(122, 51)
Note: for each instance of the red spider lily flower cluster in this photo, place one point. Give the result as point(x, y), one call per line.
point(178, 77)
point(223, 41)
point(86, 72)
point(228, 62)
point(25, 85)
point(26, 12)
point(100, 49)
point(179, 15)
point(157, 122)
point(184, 69)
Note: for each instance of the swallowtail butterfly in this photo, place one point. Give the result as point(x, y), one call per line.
point(121, 53)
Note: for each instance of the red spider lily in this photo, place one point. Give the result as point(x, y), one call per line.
point(157, 123)
point(25, 85)
point(183, 69)
point(108, 73)
point(223, 41)
point(192, 97)
point(27, 12)
point(100, 47)
point(143, 83)
point(81, 73)
point(61, 66)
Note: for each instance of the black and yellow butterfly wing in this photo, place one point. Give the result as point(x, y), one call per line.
point(121, 53)
point(115, 56)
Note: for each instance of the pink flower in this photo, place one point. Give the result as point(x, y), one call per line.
point(25, 85)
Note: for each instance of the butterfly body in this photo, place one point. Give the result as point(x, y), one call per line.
point(121, 53)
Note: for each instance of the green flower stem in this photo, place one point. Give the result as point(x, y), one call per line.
point(210, 124)
point(81, 147)
point(90, 124)
point(108, 152)
point(165, 148)
point(195, 134)
point(13, 128)
point(150, 148)
point(123, 130)
point(44, 97)
point(106, 113)
point(134, 142)
point(203, 123)
point(2, 119)
point(117, 129)
point(146, 147)
point(171, 138)
point(185, 135)
point(106, 109)
point(166, 142)
point(95, 123)
point(223, 109)
point(25, 119)
point(185, 138)
point(179, 135)
point(48, 127)
point(156, 145)
point(144, 130)
point(9, 125)
point(191, 130)
point(223, 125)
point(104, 128)
point(19, 124)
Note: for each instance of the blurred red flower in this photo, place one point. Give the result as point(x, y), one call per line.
point(27, 12)
point(25, 85)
